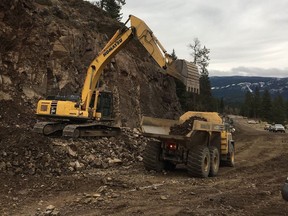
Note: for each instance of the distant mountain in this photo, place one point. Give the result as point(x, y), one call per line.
point(233, 88)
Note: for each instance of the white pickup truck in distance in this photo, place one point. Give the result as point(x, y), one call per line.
point(278, 128)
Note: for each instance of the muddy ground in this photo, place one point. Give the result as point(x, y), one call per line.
point(252, 187)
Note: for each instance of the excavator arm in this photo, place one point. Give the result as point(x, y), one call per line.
point(182, 70)
point(179, 69)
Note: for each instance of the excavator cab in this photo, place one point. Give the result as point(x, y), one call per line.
point(105, 105)
point(101, 105)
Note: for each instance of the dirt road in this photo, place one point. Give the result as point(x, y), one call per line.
point(251, 188)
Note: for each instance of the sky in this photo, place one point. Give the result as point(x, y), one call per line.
point(245, 37)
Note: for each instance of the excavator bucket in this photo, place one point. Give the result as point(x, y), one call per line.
point(187, 73)
point(182, 70)
point(159, 126)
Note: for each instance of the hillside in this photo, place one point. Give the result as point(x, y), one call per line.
point(46, 47)
point(233, 88)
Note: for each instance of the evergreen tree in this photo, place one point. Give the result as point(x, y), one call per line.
point(262, 106)
point(173, 55)
point(256, 103)
point(195, 47)
point(278, 109)
point(221, 106)
point(112, 7)
point(182, 94)
point(201, 59)
point(247, 107)
point(206, 98)
point(266, 106)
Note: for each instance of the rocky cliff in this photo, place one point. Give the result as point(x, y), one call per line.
point(46, 47)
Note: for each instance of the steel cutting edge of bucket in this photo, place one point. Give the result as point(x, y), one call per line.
point(157, 125)
point(187, 73)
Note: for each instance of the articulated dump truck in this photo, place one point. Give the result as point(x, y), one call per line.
point(199, 140)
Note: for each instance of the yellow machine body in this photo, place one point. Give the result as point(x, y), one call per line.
point(83, 109)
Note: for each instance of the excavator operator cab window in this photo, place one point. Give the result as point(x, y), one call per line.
point(92, 101)
point(105, 105)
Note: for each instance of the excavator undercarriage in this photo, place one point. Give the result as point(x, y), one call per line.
point(76, 130)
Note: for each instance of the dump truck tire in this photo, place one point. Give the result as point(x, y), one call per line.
point(284, 190)
point(230, 161)
point(214, 161)
point(151, 157)
point(231, 156)
point(198, 163)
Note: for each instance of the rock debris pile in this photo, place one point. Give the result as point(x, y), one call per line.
point(33, 155)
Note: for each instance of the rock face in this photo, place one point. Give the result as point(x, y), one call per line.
point(46, 46)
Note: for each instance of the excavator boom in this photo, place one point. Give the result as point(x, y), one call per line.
point(183, 70)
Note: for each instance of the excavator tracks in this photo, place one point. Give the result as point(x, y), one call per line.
point(76, 130)
point(48, 128)
point(90, 130)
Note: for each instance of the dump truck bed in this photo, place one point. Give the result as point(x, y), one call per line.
point(158, 126)
point(161, 129)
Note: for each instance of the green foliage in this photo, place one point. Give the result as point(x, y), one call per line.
point(112, 7)
point(247, 107)
point(173, 55)
point(264, 107)
point(278, 110)
point(204, 101)
point(200, 56)
point(257, 103)
point(221, 105)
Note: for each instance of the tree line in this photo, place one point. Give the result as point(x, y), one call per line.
point(264, 107)
point(255, 105)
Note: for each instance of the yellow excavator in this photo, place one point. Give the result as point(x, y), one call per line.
point(90, 114)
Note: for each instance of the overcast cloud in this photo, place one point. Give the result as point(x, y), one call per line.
point(245, 37)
